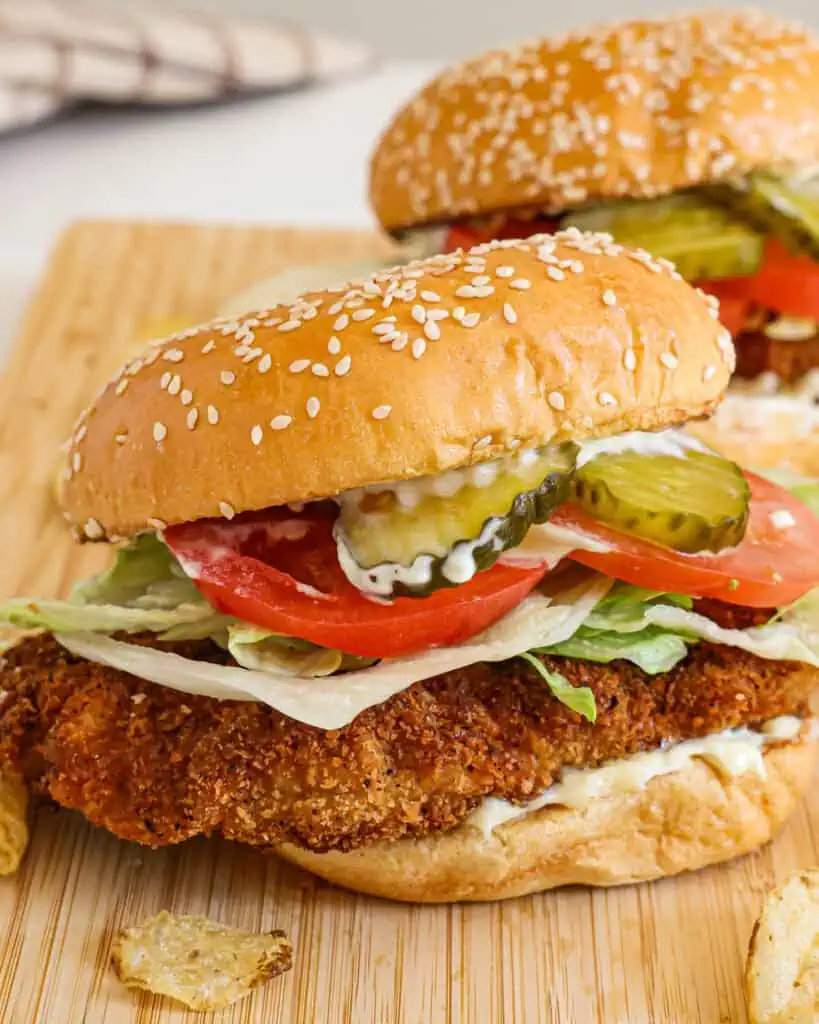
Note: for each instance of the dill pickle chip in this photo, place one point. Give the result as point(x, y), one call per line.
point(785, 208)
point(692, 502)
point(473, 514)
point(704, 239)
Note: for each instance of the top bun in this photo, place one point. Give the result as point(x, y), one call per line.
point(438, 364)
point(638, 108)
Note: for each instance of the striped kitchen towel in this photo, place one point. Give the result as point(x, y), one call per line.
point(57, 53)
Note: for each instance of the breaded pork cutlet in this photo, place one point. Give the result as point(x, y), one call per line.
point(157, 767)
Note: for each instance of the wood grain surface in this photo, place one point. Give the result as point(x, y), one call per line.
point(671, 952)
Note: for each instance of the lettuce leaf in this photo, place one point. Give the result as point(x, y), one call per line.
point(543, 618)
point(576, 698)
point(617, 628)
point(260, 651)
point(145, 591)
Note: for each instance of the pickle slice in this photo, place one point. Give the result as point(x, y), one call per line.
point(702, 238)
point(418, 536)
point(787, 209)
point(692, 502)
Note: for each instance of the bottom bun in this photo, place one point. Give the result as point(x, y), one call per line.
point(678, 822)
point(764, 432)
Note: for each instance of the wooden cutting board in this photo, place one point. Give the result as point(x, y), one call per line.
point(667, 953)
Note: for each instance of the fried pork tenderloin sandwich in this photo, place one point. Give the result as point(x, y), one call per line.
point(422, 588)
point(695, 137)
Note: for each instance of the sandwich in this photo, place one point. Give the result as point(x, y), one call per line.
point(695, 137)
point(419, 584)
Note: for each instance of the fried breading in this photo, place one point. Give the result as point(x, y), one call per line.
point(789, 360)
point(156, 766)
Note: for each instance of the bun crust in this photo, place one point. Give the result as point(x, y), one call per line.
point(767, 431)
point(678, 822)
point(439, 364)
point(637, 108)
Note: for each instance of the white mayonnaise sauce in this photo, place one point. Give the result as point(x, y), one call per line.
point(734, 752)
point(543, 545)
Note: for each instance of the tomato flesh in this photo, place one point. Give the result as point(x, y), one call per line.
point(278, 570)
point(771, 567)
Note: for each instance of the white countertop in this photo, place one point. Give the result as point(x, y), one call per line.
point(289, 159)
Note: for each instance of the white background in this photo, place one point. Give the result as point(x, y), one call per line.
point(295, 159)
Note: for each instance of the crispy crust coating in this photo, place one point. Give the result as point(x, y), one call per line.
point(789, 360)
point(156, 767)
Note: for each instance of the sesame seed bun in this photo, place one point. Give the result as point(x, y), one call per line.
point(637, 108)
point(442, 363)
point(679, 822)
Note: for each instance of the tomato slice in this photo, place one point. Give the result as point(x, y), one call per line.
point(465, 234)
point(786, 283)
point(772, 566)
point(734, 301)
point(278, 570)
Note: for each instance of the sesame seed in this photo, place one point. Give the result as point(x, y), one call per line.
point(343, 366)
point(227, 510)
point(668, 360)
point(509, 314)
point(419, 347)
point(175, 385)
point(505, 271)
point(334, 346)
point(521, 283)
point(341, 322)
point(93, 529)
point(606, 398)
point(466, 291)
point(173, 355)
point(227, 377)
point(209, 346)
point(121, 387)
point(381, 412)
point(289, 325)
point(319, 370)
point(120, 438)
point(256, 435)
point(400, 342)
point(630, 360)
point(458, 313)
point(609, 298)
point(432, 330)
point(165, 380)
point(471, 320)
point(419, 314)
point(265, 363)
point(556, 400)
point(363, 314)
point(429, 296)
point(313, 405)
point(280, 422)
point(213, 415)
point(186, 397)
point(76, 462)
point(299, 365)
point(555, 273)
point(160, 432)
point(192, 418)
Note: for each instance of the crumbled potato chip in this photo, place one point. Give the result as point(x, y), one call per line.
point(782, 974)
point(205, 965)
point(13, 823)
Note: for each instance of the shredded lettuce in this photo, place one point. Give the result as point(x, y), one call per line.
point(145, 591)
point(577, 698)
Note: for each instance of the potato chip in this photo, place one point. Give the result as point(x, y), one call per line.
point(782, 975)
point(13, 823)
point(202, 964)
